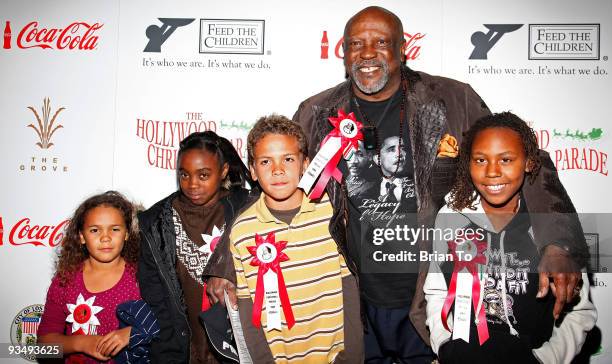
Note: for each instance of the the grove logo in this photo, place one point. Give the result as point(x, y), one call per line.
point(77, 35)
point(157, 35)
point(413, 46)
point(483, 42)
point(45, 127)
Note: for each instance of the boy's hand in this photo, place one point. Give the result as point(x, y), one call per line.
point(215, 288)
point(558, 264)
point(114, 341)
point(88, 345)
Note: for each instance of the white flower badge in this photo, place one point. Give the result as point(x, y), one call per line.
point(83, 315)
point(210, 241)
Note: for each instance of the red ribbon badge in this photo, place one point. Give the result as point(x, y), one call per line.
point(348, 129)
point(267, 254)
point(474, 247)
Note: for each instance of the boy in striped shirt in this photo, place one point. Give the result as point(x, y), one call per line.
point(297, 299)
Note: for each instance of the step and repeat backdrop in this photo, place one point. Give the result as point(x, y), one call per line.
point(98, 95)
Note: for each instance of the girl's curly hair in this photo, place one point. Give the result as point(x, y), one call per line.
point(462, 193)
point(73, 253)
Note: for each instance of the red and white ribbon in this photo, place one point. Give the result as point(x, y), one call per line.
point(267, 255)
point(467, 252)
point(83, 316)
point(343, 140)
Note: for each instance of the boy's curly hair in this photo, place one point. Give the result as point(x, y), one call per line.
point(275, 124)
point(73, 253)
point(462, 193)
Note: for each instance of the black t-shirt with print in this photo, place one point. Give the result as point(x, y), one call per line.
point(378, 202)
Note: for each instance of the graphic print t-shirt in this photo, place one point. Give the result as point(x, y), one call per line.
point(376, 202)
point(531, 317)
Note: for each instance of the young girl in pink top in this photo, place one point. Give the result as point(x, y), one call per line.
point(96, 271)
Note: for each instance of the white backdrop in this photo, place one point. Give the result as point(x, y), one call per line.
point(125, 109)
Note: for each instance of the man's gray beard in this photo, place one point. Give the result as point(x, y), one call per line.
point(376, 87)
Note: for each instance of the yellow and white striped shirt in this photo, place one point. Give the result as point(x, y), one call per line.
point(313, 277)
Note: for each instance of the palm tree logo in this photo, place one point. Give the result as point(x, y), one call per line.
point(45, 128)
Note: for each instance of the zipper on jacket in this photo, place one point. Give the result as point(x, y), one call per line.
point(179, 309)
point(350, 264)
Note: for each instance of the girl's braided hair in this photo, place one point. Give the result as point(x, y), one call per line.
point(462, 193)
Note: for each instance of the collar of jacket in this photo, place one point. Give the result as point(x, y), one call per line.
point(478, 215)
point(160, 215)
point(164, 206)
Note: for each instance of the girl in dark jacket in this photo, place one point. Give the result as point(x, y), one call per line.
point(179, 234)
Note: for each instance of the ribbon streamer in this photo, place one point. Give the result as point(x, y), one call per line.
point(273, 265)
point(348, 130)
point(471, 267)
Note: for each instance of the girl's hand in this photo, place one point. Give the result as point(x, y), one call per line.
point(88, 345)
point(112, 343)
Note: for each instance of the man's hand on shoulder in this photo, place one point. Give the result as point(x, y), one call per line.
point(557, 264)
point(215, 288)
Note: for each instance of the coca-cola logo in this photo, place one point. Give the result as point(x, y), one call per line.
point(413, 46)
point(24, 232)
point(78, 35)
